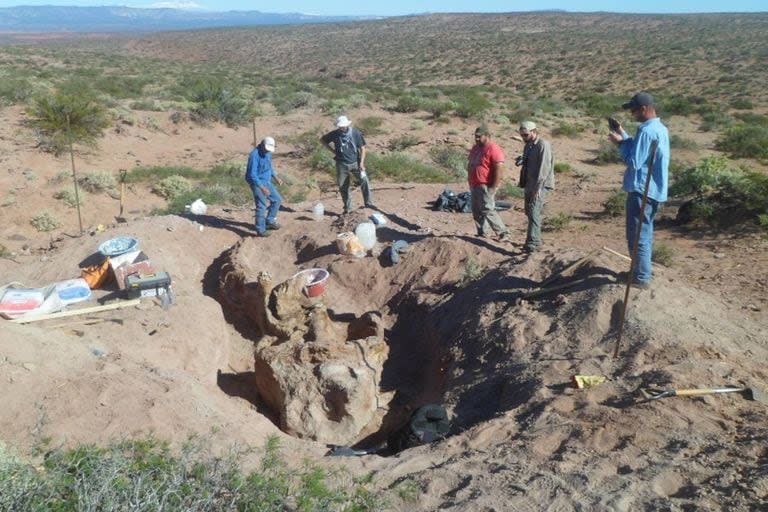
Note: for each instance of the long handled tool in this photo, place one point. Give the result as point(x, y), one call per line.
point(748, 393)
point(636, 245)
point(123, 174)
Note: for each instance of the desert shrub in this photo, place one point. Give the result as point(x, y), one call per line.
point(403, 142)
point(370, 125)
point(471, 104)
point(95, 182)
point(147, 475)
point(439, 108)
point(61, 118)
point(472, 271)
point(742, 104)
point(224, 184)
point(213, 101)
point(762, 220)
point(510, 190)
point(677, 105)
point(679, 142)
point(293, 101)
point(121, 87)
point(608, 153)
point(67, 196)
point(151, 174)
point(172, 187)
point(662, 254)
point(556, 222)
point(567, 130)
point(600, 105)
point(615, 204)
point(145, 105)
point(14, 91)
point(720, 194)
point(745, 141)
point(408, 103)
point(715, 120)
point(404, 168)
point(45, 221)
point(4, 253)
point(450, 158)
point(563, 167)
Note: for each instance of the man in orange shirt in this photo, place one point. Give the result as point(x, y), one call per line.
point(484, 171)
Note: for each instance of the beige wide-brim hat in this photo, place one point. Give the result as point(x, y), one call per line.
point(342, 122)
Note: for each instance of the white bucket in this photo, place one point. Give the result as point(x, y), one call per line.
point(318, 211)
point(366, 233)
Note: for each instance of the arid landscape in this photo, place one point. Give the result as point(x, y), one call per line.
point(476, 325)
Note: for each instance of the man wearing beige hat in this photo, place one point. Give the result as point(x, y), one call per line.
point(537, 177)
point(348, 147)
point(485, 169)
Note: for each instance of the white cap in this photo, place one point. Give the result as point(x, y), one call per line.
point(527, 126)
point(269, 144)
point(342, 121)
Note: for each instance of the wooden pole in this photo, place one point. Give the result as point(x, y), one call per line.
point(74, 175)
point(633, 260)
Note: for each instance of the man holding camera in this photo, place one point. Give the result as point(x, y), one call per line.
point(348, 147)
point(647, 151)
point(537, 177)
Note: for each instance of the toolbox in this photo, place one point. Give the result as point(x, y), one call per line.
point(147, 285)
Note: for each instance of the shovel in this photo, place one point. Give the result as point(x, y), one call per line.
point(120, 218)
point(748, 393)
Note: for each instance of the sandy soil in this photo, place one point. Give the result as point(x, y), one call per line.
point(523, 437)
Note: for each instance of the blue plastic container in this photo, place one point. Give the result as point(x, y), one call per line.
point(119, 245)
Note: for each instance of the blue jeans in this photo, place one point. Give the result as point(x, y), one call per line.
point(642, 270)
point(266, 214)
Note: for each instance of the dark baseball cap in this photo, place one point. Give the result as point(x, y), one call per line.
point(641, 99)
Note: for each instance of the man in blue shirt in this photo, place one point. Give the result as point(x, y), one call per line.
point(259, 175)
point(649, 146)
point(349, 152)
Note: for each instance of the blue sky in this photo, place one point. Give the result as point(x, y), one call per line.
point(399, 7)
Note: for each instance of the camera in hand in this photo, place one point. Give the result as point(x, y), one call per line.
point(519, 160)
point(614, 125)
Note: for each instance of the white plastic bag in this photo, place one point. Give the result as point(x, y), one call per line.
point(198, 207)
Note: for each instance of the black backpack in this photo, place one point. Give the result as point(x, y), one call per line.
point(427, 424)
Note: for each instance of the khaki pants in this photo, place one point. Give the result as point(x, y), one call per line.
point(344, 173)
point(484, 211)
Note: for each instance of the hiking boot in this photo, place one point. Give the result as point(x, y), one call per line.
point(528, 249)
point(641, 285)
point(274, 226)
point(265, 234)
point(371, 206)
point(505, 238)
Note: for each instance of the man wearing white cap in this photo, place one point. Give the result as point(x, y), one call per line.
point(348, 147)
point(537, 177)
point(259, 175)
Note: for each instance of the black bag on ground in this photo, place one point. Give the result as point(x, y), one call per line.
point(449, 201)
point(427, 424)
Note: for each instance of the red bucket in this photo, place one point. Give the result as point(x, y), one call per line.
point(315, 280)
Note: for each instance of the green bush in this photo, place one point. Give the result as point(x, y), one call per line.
point(216, 102)
point(721, 195)
point(45, 221)
point(600, 105)
point(450, 158)
point(563, 167)
point(471, 104)
point(472, 271)
point(678, 142)
point(95, 182)
point(557, 222)
point(67, 196)
point(61, 118)
point(745, 141)
point(172, 187)
point(408, 104)
point(608, 153)
point(509, 190)
point(567, 130)
point(404, 168)
point(403, 142)
point(152, 174)
point(615, 204)
point(662, 254)
point(370, 125)
point(147, 475)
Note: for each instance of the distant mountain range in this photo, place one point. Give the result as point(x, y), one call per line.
point(128, 19)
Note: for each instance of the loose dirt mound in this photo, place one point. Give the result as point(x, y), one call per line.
point(523, 437)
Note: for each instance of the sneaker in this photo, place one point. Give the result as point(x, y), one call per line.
point(371, 206)
point(505, 238)
point(529, 249)
point(274, 226)
point(263, 235)
point(641, 285)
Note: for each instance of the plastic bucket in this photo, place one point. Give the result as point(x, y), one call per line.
point(118, 246)
point(315, 280)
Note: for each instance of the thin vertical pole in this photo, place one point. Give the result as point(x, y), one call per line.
point(74, 175)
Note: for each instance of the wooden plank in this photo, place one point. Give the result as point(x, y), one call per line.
point(74, 312)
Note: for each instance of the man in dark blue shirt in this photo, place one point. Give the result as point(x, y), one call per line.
point(348, 147)
point(259, 175)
